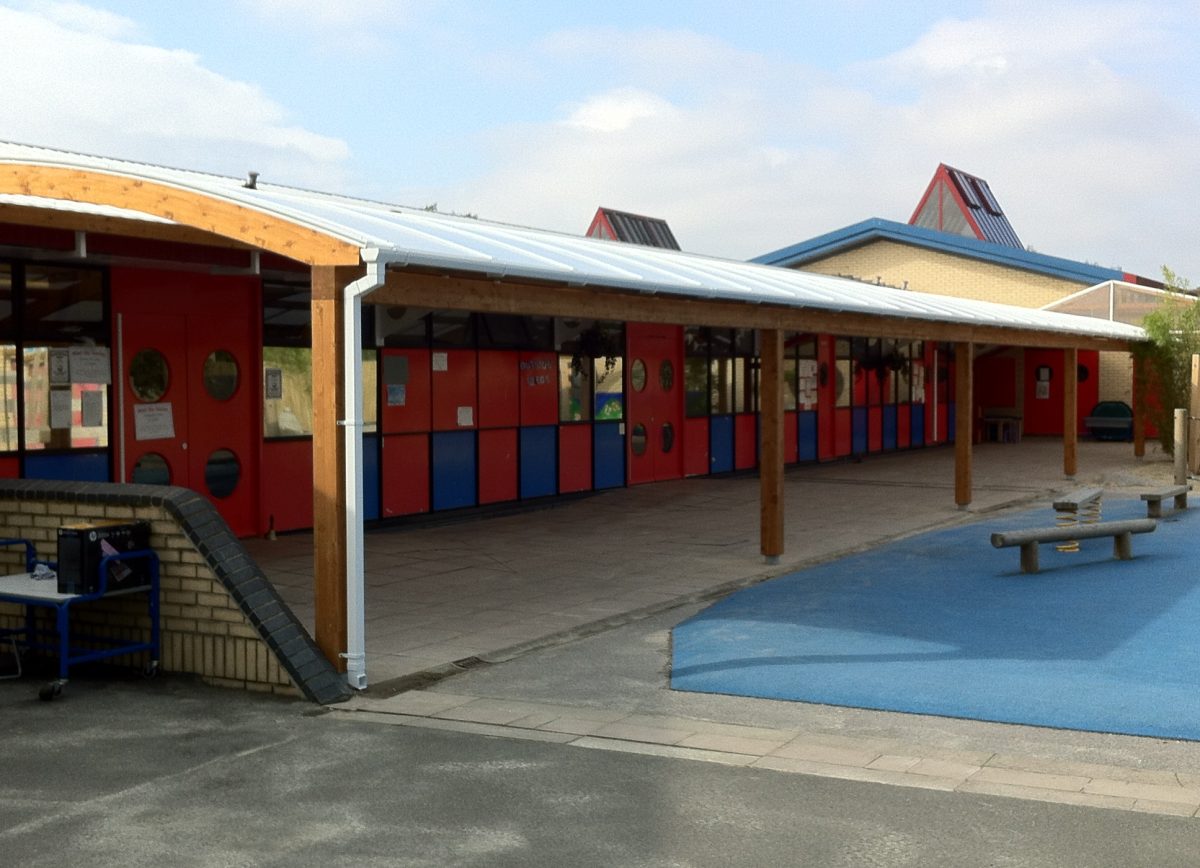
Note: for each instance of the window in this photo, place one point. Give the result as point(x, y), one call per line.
point(609, 397)
point(63, 304)
point(61, 415)
point(574, 389)
point(721, 385)
point(287, 403)
point(8, 397)
point(695, 378)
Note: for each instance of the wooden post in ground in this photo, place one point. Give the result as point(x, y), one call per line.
point(1139, 409)
point(329, 465)
point(1070, 411)
point(964, 399)
point(770, 458)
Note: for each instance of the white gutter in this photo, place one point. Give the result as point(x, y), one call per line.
point(356, 657)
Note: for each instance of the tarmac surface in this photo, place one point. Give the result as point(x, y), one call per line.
point(590, 589)
point(551, 628)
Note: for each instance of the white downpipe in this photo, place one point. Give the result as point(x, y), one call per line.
point(356, 657)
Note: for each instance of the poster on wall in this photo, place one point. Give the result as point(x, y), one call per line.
point(441, 362)
point(60, 366)
point(153, 422)
point(91, 409)
point(397, 394)
point(806, 383)
point(273, 384)
point(60, 408)
point(918, 383)
point(90, 365)
point(1043, 390)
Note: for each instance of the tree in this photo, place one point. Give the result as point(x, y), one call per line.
point(1163, 365)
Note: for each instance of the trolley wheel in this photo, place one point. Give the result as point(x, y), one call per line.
point(150, 670)
point(50, 691)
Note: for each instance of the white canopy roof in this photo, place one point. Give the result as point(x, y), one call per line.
point(409, 236)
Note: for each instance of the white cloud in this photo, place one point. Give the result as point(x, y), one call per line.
point(87, 19)
point(90, 91)
point(1091, 161)
point(617, 110)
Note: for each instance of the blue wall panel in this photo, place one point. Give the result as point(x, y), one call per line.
point(858, 430)
point(453, 469)
point(539, 461)
point(720, 444)
point(889, 427)
point(918, 425)
point(808, 435)
point(608, 455)
point(67, 466)
point(370, 455)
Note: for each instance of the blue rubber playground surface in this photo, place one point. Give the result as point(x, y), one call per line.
point(945, 624)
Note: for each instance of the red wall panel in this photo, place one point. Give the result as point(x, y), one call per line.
point(10, 468)
point(842, 421)
point(574, 458)
point(745, 441)
point(904, 425)
point(826, 438)
point(695, 447)
point(539, 388)
point(405, 474)
point(452, 374)
point(875, 429)
point(499, 392)
point(287, 491)
point(497, 465)
point(406, 406)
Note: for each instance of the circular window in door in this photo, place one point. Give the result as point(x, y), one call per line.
point(221, 375)
point(149, 375)
point(637, 440)
point(666, 375)
point(637, 375)
point(668, 436)
point(151, 469)
point(222, 473)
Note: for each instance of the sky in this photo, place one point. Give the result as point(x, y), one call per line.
point(747, 126)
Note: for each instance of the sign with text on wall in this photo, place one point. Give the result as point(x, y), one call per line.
point(90, 365)
point(153, 421)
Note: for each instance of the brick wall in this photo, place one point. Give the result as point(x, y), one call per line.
point(944, 274)
point(220, 618)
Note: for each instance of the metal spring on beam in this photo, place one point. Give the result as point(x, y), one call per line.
point(1088, 513)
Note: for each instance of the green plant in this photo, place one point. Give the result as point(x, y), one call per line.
point(1163, 364)
point(598, 342)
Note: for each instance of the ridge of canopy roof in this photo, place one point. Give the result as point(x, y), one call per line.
point(403, 236)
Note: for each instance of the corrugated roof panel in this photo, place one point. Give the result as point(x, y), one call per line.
point(404, 235)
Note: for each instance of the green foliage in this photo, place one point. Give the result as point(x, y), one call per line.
point(1164, 363)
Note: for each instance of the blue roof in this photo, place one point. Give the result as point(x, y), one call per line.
point(877, 229)
point(985, 210)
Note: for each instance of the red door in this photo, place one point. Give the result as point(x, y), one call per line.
point(654, 431)
point(190, 396)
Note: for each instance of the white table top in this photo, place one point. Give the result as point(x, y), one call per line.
point(23, 586)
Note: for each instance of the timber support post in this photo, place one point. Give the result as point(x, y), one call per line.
point(329, 465)
point(964, 399)
point(1070, 411)
point(770, 461)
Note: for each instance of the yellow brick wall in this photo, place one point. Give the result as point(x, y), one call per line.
point(944, 274)
point(203, 630)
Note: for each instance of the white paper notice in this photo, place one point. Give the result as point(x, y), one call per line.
point(60, 408)
point(60, 366)
point(153, 422)
point(441, 362)
point(466, 417)
point(90, 365)
point(92, 409)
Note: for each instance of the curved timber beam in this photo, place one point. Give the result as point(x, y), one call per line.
point(185, 207)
